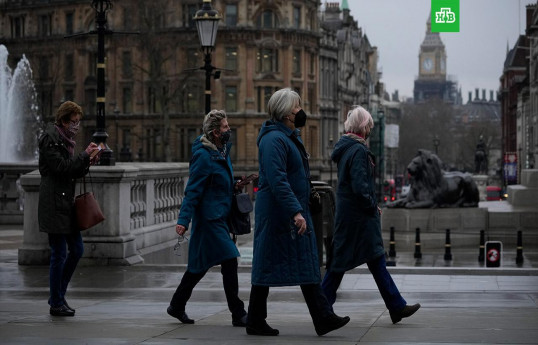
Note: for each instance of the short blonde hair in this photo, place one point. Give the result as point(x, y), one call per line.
point(357, 120)
point(282, 102)
point(66, 110)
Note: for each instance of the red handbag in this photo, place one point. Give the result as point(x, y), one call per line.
point(87, 210)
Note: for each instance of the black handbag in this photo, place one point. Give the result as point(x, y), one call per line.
point(314, 202)
point(240, 214)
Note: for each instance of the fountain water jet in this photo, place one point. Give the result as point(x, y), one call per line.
point(19, 118)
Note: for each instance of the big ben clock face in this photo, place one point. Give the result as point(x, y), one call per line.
point(427, 64)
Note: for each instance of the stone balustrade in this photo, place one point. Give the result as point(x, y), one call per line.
point(140, 202)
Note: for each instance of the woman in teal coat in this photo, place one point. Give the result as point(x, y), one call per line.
point(285, 250)
point(357, 233)
point(207, 202)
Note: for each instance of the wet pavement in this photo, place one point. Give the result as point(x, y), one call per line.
point(462, 303)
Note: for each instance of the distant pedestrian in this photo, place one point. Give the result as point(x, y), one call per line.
point(357, 235)
point(59, 169)
point(207, 202)
point(285, 251)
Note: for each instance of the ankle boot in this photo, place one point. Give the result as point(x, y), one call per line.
point(407, 311)
point(330, 324)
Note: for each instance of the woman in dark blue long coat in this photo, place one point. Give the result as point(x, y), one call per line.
point(207, 202)
point(357, 233)
point(285, 250)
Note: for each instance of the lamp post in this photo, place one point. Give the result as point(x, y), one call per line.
point(100, 136)
point(207, 23)
point(436, 143)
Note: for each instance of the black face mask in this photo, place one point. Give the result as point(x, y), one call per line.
point(300, 119)
point(225, 136)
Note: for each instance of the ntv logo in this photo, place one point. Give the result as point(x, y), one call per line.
point(445, 16)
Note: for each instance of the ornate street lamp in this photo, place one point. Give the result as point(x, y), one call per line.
point(207, 23)
point(100, 135)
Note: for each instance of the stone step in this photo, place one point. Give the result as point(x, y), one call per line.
point(521, 195)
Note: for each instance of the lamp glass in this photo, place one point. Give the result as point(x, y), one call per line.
point(207, 31)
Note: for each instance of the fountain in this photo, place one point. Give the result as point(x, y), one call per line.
point(20, 127)
point(19, 118)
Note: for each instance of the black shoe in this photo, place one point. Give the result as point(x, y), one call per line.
point(180, 315)
point(330, 324)
point(407, 311)
point(67, 305)
point(241, 322)
point(261, 329)
point(61, 311)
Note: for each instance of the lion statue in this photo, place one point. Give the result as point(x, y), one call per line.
point(431, 187)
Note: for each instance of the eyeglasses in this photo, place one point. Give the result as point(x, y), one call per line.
point(75, 123)
point(180, 240)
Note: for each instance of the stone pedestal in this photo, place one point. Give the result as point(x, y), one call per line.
point(481, 183)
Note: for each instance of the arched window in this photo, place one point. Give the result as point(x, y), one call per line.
point(267, 20)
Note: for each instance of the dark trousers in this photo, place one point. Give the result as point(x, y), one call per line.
point(228, 270)
point(317, 304)
point(378, 267)
point(63, 264)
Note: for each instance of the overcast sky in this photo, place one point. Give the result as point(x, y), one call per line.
point(475, 55)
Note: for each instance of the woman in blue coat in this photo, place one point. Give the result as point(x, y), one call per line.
point(207, 202)
point(357, 233)
point(285, 250)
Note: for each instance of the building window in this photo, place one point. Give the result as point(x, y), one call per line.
point(189, 11)
point(231, 58)
point(231, 15)
point(312, 63)
point(69, 67)
point(296, 63)
point(267, 60)
point(193, 58)
point(17, 27)
point(44, 64)
point(127, 100)
point(263, 95)
point(127, 64)
point(69, 23)
point(45, 25)
point(92, 64)
point(90, 98)
point(192, 99)
point(267, 20)
point(231, 99)
point(46, 103)
point(296, 17)
point(69, 95)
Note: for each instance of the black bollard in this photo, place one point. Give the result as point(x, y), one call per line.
point(448, 254)
point(418, 254)
point(519, 255)
point(481, 247)
point(392, 248)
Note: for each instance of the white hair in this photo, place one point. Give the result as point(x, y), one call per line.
point(358, 119)
point(212, 121)
point(282, 102)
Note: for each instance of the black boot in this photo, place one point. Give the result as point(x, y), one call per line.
point(180, 315)
point(61, 311)
point(407, 311)
point(261, 329)
point(331, 323)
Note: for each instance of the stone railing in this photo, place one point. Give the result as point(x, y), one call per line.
point(11, 193)
point(140, 202)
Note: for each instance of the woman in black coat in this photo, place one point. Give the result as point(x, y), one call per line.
point(357, 231)
point(59, 169)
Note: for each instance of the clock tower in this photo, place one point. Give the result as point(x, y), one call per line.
point(432, 81)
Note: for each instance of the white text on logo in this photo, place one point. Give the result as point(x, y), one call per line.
point(445, 16)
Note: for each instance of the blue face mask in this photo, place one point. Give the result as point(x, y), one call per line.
point(225, 136)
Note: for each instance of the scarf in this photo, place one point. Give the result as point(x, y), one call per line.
point(69, 143)
point(356, 137)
